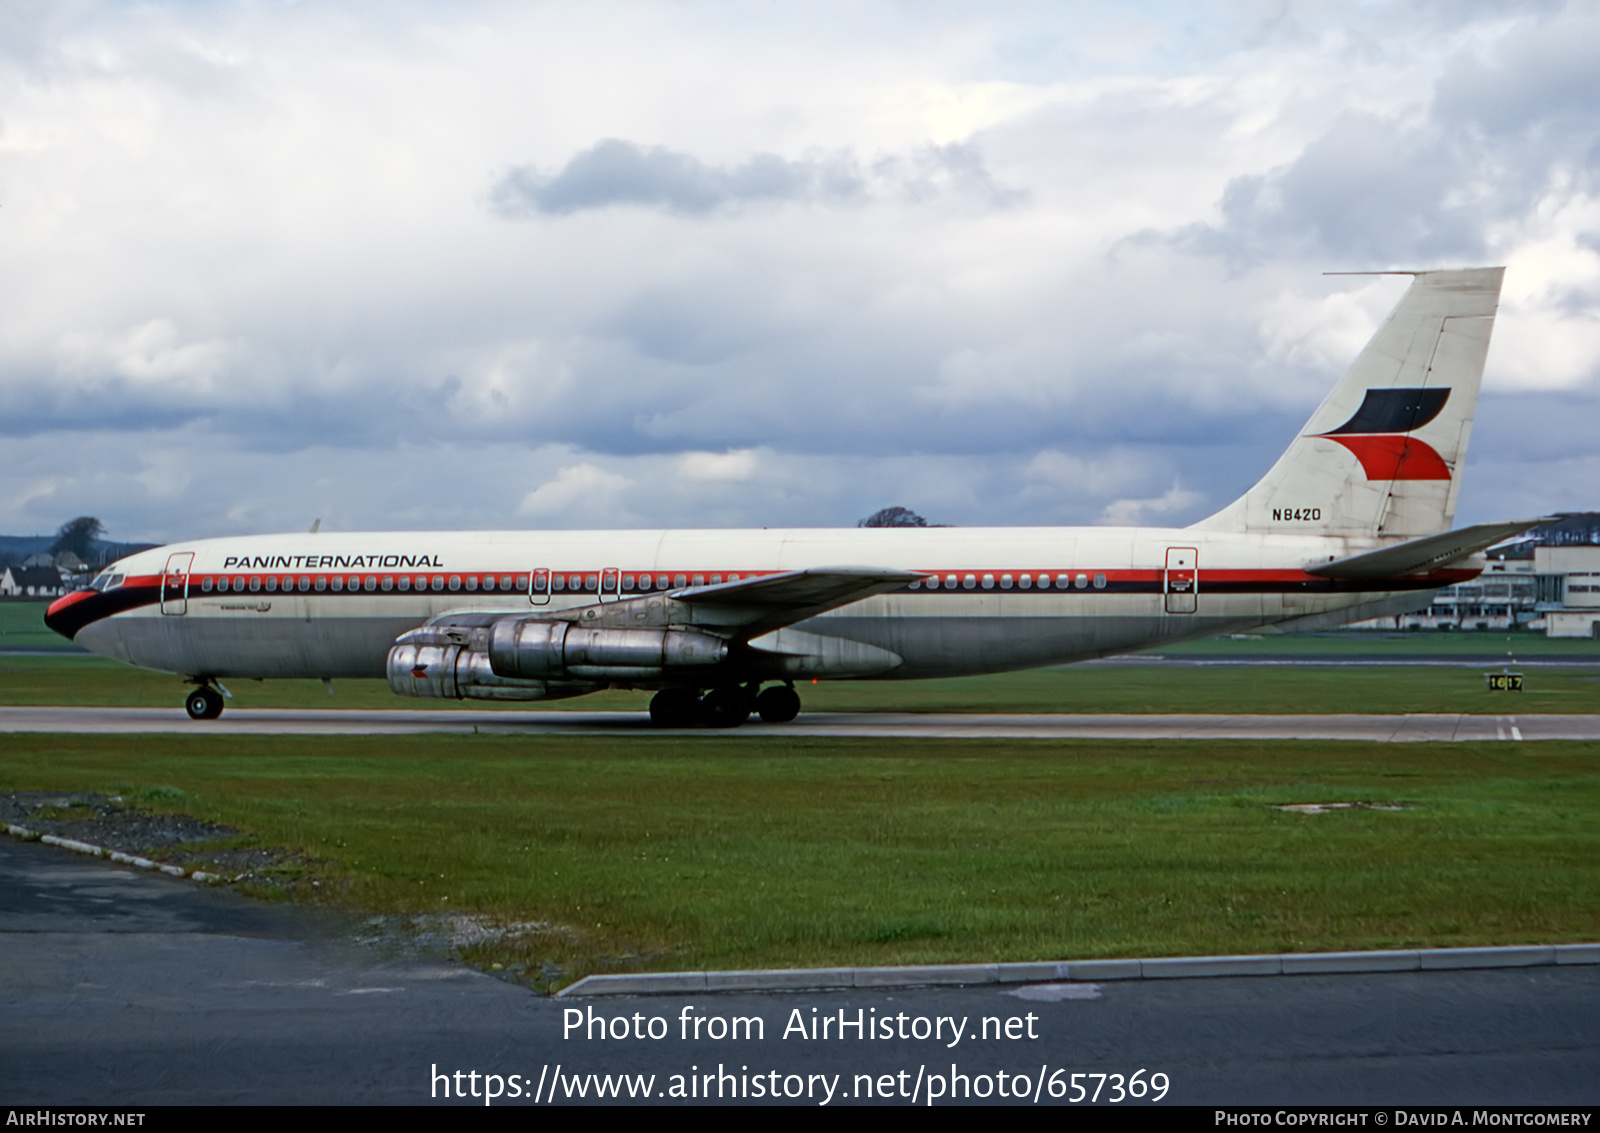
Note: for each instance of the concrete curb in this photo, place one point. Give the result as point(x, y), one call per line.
point(110, 855)
point(1098, 971)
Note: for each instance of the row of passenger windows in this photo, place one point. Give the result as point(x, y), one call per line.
point(338, 582)
point(1006, 582)
point(590, 583)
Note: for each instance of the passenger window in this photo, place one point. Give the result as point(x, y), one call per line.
point(558, 582)
point(305, 583)
point(472, 582)
point(405, 583)
point(320, 584)
point(387, 583)
point(1026, 582)
point(627, 582)
point(680, 580)
point(1099, 582)
point(988, 582)
point(699, 580)
point(505, 582)
point(205, 585)
point(255, 585)
point(1081, 582)
point(438, 582)
point(272, 585)
point(591, 582)
point(715, 579)
point(337, 582)
point(1005, 582)
point(488, 582)
point(455, 582)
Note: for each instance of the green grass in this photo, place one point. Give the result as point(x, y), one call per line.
point(22, 626)
point(724, 852)
point(72, 680)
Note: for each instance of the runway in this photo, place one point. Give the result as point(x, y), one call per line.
point(1440, 728)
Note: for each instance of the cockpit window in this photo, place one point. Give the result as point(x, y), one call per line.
point(105, 580)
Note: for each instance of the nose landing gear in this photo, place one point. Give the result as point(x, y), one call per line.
point(204, 703)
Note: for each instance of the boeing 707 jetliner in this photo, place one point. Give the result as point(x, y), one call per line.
point(1353, 521)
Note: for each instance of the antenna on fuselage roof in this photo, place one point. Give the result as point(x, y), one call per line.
point(316, 523)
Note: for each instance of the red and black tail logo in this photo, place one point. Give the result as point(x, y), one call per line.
point(1377, 434)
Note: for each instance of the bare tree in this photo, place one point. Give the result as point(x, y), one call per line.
point(77, 535)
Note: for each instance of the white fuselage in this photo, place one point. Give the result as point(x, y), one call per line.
point(991, 600)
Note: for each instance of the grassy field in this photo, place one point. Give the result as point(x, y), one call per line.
point(57, 679)
point(686, 852)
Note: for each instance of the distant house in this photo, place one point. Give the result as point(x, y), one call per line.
point(32, 582)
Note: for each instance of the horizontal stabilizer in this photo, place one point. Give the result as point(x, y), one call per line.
point(1422, 555)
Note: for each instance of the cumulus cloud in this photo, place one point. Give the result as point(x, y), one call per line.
point(615, 172)
point(503, 264)
point(580, 488)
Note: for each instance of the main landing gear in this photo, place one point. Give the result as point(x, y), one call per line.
point(726, 706)
point(203, 703)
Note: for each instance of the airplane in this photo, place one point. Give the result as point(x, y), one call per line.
point(1353, 521)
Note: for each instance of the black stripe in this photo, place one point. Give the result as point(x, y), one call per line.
point(1395, 411)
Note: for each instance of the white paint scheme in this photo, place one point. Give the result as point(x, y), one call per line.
point(1109, 590)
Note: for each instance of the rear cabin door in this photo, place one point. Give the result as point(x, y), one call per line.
point(1182, 580)
point(175, 583)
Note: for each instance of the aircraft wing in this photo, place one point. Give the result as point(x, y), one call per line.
point(1425, 554)
point(756, 606)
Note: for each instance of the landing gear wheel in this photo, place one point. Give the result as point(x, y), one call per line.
point(778, 704)
point(674, 708)
point(204, 703)
point(725, 707)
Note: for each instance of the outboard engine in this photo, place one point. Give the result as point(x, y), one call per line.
point(532, 650)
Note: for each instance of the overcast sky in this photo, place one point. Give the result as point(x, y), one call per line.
point(415, 265)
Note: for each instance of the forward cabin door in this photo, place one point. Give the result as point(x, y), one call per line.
point(175, 583)
point(1182, 580)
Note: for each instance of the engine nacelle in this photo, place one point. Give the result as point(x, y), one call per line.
point(424, 664)
point(525, 649)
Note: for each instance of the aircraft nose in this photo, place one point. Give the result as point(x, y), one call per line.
point(65, 614)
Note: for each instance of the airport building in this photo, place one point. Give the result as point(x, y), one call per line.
point(1557, 590)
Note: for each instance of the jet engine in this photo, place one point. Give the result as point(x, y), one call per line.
point(527, 659)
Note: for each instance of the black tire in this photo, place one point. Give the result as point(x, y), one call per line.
point(725, 707)
point(778, 704)
point(674, 708)
point(203, 704)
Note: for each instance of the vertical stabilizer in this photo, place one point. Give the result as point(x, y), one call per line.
point(1382, 455)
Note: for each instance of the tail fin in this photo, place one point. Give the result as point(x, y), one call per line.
point(1382, 455)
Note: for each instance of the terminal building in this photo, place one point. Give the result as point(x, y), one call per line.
point(1549, 582)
